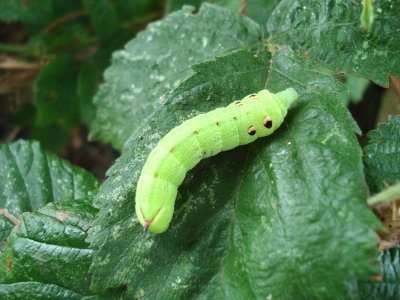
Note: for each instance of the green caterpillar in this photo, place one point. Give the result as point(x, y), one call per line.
point(240, 123)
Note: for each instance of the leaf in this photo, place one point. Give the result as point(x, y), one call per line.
point(356, 87)
point(90, 76)
point(382, 155)
point(33, 177)
point(37, 14)
point(36, 290)
point(55, 93)
point(387, 286)
point(330, 31)
point(46, 256)
point(21, 10)
point(51, 138)
point(103, 17)
point(157, 60)
point(258, 10)
point(286, 209)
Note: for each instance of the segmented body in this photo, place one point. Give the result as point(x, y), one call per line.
point(240, 123)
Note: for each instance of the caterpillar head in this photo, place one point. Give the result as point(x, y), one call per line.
point(262, 113)
point(155, 200)
point(155, 218)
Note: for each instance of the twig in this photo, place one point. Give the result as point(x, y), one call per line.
point(396, 85)
point(8, 215)
point(242, 9)
point(12, 134)
point(386, 196)
point(13, 65)
point(63, 19)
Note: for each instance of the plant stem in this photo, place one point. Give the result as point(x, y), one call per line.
point(386, 196)
point(9, 216)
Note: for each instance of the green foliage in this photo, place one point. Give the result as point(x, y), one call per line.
point(33, 177)
point(55, 93)
point(158, 60)
point(46, 256)
point(56, 231)
point(388, 285)
point(250, 220)
point(76, 39)
point(29, 12)
point(382, 155)
point(282, 218)
point(258, 10)
point(356, 87)
point(330, 31)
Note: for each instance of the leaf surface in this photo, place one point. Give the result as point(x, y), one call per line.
point(287, 208)
point(46, 256)
point(32, 177)
point(387, 285)
point(382, 155)
point(158, 60)
point(330, 31)
point(55, 93)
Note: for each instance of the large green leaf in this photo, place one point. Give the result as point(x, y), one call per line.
point(46, 256)
point(281, 218)
point(158, 59)
point(32, 177)
point(382, 155)
point(330, 31)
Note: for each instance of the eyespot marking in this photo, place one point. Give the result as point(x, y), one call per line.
point(195, 132)
point(252, 130)
point(267, 122)
point(217, 124)
point(253, 96)
point(238, 103)
point(235, 118)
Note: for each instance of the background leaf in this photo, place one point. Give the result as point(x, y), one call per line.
point(33, 177)
point(330, 31)
point(382, 154)
point(46, 257)
point(387, 285)
point(288, 208)
point(356, 87)
point(157, 60)
point(32, 12)
point(55, 93)
point(258, 10)
point(71, 43)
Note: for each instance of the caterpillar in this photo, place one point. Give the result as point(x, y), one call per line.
point(239, 123)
